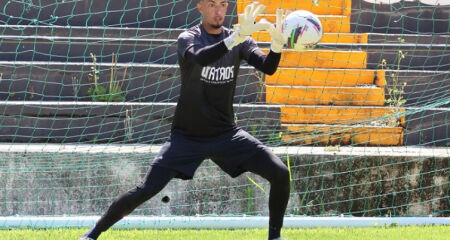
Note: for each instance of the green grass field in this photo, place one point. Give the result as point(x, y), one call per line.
point(375, 233)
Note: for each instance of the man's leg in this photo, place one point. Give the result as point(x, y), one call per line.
point(269, 166)
point(155, 180)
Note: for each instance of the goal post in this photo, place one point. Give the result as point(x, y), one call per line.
point(88, 90)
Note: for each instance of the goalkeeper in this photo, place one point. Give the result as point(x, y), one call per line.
point(209, 56)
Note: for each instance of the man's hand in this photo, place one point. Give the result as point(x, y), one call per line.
point(278, 40)
point(247, 25)
point(247, 20)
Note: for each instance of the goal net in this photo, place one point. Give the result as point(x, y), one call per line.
point(88, 91)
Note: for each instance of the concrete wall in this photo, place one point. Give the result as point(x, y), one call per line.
point(87, 183)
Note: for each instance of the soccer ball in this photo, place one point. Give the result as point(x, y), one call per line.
point(302, 29)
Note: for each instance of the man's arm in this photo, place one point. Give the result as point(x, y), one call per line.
point(267, 64)
point(207, 55)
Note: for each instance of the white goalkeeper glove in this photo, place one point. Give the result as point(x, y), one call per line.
point(247, 25)
point(278, 40)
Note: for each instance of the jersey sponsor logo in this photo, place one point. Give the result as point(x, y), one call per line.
point(217, 75)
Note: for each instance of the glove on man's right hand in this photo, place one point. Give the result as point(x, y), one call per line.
point(247, 25)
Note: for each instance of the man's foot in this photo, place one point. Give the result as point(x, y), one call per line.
point(278, 238)
point(85, 238)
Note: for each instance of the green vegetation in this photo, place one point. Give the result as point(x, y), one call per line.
point(374, 233)
point(395, 92)
point(114, 92)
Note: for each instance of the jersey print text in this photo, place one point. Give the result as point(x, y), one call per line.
point(217, 75)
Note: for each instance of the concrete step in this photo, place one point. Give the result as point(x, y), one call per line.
point(78, 49)
point(402, 39)
point(297, 152)
point(158, 51)
point(414, 58)
point(149, 123)
point(158, 46)
point(323, 7)
point(107, 122)
point(173, 33)
point(326, 77)
point(330, 23)
point(318, 134)
point(345, 115)
point(90, 32)
point(340, 96)
point(426, 17)
point(69, 81)
point(323, 59)
point(143, 14)
point(366, 17)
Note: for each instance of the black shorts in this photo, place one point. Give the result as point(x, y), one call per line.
point(229, 151)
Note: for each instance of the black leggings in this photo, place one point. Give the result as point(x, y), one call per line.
point(265, 164)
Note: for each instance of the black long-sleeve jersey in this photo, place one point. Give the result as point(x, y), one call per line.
point(208, 80)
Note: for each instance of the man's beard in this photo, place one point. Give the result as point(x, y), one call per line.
point(216, 26)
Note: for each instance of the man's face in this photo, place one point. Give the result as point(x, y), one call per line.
point(213, 12)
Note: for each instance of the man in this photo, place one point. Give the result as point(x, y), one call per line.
point(209, 56)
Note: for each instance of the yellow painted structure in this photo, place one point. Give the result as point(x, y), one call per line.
point(326, 77)
point(328, 97)
point(330, 23)
point(326, 38)
point(334, 14)
point(324, 7)
point(340, 96)
point(342, 135)
point(323, 59)
point(296, 114)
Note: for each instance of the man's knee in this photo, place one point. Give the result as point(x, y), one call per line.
point(155, 181)
point(148, 190)
point(282, 175)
